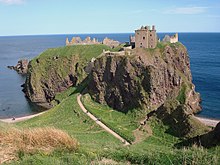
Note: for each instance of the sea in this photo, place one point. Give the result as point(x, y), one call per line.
point(203, 49)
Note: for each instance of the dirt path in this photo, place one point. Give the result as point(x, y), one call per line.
point(208, 122)
point(99, 122)
point(10, 120)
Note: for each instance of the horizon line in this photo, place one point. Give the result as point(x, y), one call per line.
point(53, 34)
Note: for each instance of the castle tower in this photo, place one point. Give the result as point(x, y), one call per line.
point(146, 37)
point(152, 43)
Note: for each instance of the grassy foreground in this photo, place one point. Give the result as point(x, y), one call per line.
point(97, 146)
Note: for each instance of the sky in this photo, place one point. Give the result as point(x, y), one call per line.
point(33, 17)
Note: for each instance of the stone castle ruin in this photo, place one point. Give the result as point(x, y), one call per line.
point(171, 39)
point(88, 41)
point(146, 37)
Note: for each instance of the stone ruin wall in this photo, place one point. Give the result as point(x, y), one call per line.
point(88, 41)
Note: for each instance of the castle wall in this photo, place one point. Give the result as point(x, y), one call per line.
point(152, 35)
point(174, 38)
point(141, 38)
point(145, 38)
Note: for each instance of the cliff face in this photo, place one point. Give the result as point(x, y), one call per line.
point(41, 88)
point(145, 79)
point(57, 69)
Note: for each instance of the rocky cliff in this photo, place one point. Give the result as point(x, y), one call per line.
point(157, 81)
point(145, 79)
point(57, 69)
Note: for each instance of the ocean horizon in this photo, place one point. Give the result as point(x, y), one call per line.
point(203, 49)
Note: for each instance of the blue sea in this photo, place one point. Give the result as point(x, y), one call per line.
point(203, 49)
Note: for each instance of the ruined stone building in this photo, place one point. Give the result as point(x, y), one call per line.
point(79, 41)
point(88, 41)
point(145, 37)
point(171, 39)
point(174, 38)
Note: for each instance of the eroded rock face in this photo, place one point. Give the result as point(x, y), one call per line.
point(41, 89)
point(21, 67)
point(145, 79)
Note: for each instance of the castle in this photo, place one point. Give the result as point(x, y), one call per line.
point(146, 37)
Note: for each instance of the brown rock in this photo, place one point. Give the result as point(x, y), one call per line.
point(21, 67)
point(147, 79)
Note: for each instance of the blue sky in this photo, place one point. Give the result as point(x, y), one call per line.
point(27, 17)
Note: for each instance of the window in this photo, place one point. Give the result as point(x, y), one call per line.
point(143, 38)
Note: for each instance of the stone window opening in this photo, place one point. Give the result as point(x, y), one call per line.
point(143, 38)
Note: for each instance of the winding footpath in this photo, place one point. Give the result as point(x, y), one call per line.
point(99, 122)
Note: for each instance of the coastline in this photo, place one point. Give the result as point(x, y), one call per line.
point(208, 121)
point(19, 119)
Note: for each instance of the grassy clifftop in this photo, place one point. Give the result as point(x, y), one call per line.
point(57, 69)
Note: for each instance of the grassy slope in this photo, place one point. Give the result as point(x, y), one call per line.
point(68, 116)
point(121, 123)
point(159, 148)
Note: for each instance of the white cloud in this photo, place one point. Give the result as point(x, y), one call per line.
point(186, 10)
point(12, 2)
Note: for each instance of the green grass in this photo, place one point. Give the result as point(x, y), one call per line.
point(121, 123)
point(69, 117)
point(96, 143)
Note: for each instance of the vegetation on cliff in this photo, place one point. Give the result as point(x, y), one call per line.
point(57, 69)
point(147, 97)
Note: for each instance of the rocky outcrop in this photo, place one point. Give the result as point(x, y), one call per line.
point(145, 79)
point(56, 70)
point(41, 88)
point(21, 67)
point(180, 119)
